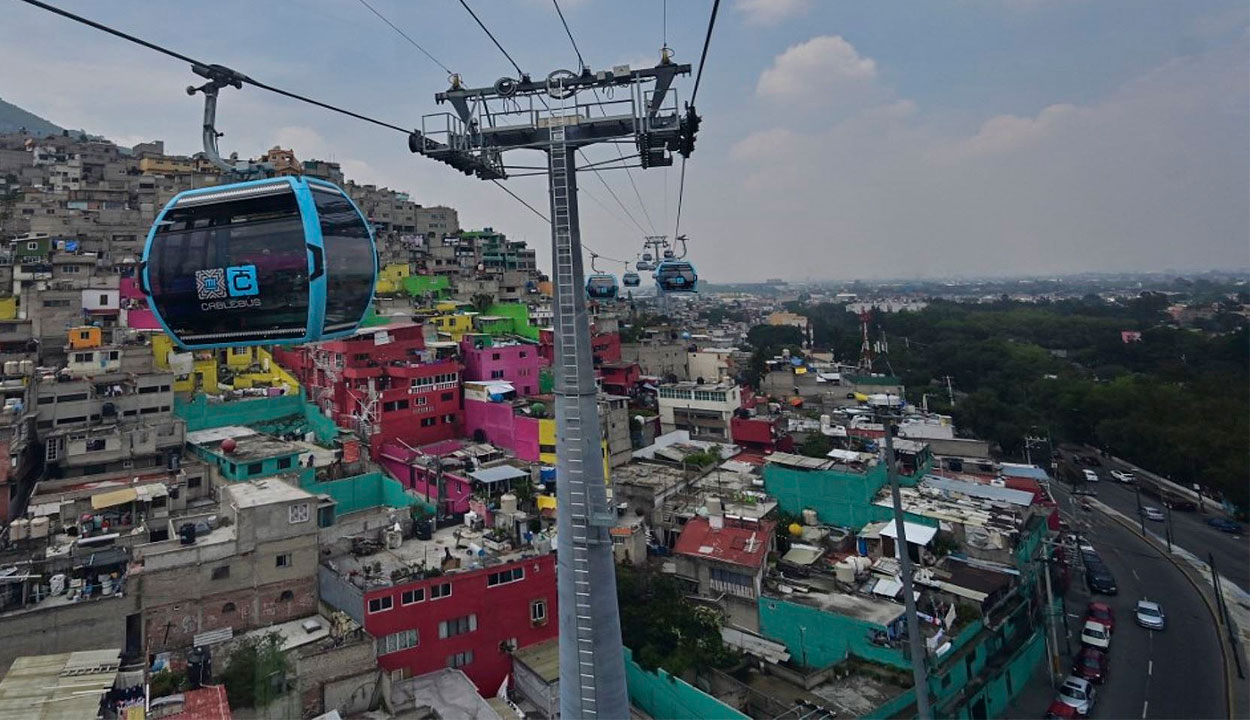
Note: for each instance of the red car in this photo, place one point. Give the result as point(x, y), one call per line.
point(1060, 710)
point(1092, 664)
point(1101, 613)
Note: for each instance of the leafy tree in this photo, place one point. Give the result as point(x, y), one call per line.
point(256, 672)
point(663, 628)
point(775, 336)
point(481, 302)
point(816, 445)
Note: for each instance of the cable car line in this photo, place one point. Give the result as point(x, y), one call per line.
point(522, 201)
point(490, 35)
point(405, 36)
point(707, 40)
point(603, 110)
point(580, 63)
point(192, 61)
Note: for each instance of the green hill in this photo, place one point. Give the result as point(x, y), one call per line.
point(13, 118)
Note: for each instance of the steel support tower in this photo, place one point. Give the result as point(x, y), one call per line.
point(546, 116)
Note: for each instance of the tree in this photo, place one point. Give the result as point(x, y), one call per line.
point(663, 628)
point(775, 336)
point(256, 672)
point(481, 302)
point(816, 445)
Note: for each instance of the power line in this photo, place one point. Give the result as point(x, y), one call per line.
point(580, 63)
point(192, 61)
point(707, 40)
point(664, 31)
point(405, 36)
point(492, 37)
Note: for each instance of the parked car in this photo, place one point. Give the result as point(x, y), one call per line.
point(1079, 693)
point(1092, 664)
point(1225, 525)
point(1095, 635)
point(1150, 615)
point(1090, 475)
point(1123, 476)
point(1100, 581)
point(1060, 710)
point(1152, 513)
point(1085, 491)
point(1101, 612)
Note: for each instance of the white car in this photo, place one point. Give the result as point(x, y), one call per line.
point(1096, 635)
point(1153, 513)
point(1078, 694)
point(1090, 475)
point(1150, 615)
point(1123, 476)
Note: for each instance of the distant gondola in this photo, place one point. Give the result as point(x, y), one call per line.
point(676, 276)
point(276, 261)
point(631, 279)
point(601, 286)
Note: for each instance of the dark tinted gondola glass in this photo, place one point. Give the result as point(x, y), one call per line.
point(349, 259)
point(232, 269)
point(631, 279)
point(676, 276)
point(601, 286)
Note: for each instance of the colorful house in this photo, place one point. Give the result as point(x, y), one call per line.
point(512, 362)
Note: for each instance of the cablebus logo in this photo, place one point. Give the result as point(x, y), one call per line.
point(221, 284)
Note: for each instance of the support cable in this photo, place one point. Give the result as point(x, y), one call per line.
point(707, 40)
point(491, 35)
point(405, 36)
point(192, 61)
point(580, 63)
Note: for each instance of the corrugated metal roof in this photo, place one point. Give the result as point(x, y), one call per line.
point(989, 492)
point(499, 473)
point(65, 685)
point(113, 499)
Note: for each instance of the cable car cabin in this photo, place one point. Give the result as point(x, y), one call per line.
point(277, 261)
point(676, 276)
point(631, 279)
point(601, 286)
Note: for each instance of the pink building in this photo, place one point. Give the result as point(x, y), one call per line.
point(408, 465)
point(500, 424)
point(515, 363)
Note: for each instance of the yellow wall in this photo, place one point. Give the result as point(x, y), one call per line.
point(206, 363)
point(8, 308)
point(454, 325)
point(391, 278)
point(547, 436)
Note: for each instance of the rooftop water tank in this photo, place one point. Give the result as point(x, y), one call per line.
point(507, 503)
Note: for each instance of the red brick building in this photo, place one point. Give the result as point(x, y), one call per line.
point(467, 620)
point(382, 377)
point(761, 433)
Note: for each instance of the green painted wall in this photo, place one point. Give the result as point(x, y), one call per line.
point(546, 381)
point(818, 639)
point(418, 285)
point(663, 696)
point(520, 315)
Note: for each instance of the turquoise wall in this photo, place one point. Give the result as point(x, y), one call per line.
point(818, 639)
point(363, 492)
point(199, 414)
point(663, 696)
point(839, 498)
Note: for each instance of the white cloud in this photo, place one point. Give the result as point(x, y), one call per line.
point(824, 64)
point(1151, 176)
point(771, 12)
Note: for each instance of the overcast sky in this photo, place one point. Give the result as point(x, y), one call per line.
point(840, 139)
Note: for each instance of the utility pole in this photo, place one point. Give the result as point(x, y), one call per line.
point(1050, 614)
point(919, 658)
point(547, 116)
point(1167, 529)
point(1141, 516)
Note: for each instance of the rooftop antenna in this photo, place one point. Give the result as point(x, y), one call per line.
point(556, 116)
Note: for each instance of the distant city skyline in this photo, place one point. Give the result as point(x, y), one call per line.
point(1036, 137)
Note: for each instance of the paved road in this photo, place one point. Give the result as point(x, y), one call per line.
point(1189, 529)
point(1170, 674)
